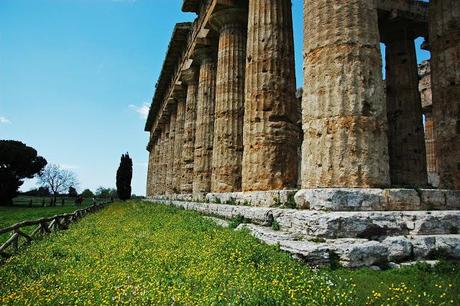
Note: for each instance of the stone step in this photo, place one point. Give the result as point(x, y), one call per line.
point(354, 253)
point(335, 199)
point(333, 225)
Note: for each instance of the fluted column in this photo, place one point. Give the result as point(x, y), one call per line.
point(170, 156)
point(178, 146)
point(270, 132)
point(150, 174)
point(204, 124)
point(445, 75)
point(166, 154)
point(430, 144)
point(229, 108)
point(404, 111)
point(155, 165)
point(343, 105)
point(162, 158)
point(190, 78)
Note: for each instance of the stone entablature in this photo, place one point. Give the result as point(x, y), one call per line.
point(225, 117)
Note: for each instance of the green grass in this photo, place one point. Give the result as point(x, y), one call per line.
point(21, 211)
point(139, 253)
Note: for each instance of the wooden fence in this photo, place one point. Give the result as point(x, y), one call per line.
point(44, 226)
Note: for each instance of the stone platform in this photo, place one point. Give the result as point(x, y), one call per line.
point(335, 199)
point(354, 238)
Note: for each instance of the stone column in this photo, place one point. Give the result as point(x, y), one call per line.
point(190, 79)
point(430, 144)
point(204, 123)
point(445, 74)
point(170, 156)
point(156, 168)
point(149, 184)
point(179, 145)
point(159, 179)
point(229, 108)
point(270, 132)
point(344, 111)
point(165, 158)
point(406, 143)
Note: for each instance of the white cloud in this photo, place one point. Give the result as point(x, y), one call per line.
point(4, 120)
point(142, 110)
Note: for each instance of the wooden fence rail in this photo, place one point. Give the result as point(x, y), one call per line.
point(44, 226)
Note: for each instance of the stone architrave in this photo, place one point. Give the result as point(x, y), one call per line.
point(343, 106)
point(178, 146)
point(231, 23)
point(445, 74)
point(170, 156)
point(406, 143)
point(190, 79)
point(270, 132)
point(204, 122)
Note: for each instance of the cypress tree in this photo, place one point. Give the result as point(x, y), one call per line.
point(124, 175)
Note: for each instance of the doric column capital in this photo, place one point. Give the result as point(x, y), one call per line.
point(205, 54)
point(190, 76)
point(233, 17)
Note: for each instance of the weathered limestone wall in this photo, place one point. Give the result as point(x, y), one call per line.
point(445, 70)
point(270, 130)
point(344, 111)
point(178, 146)
point(189, 133)
point(404, 110)
point(229, 111)
point(204, 126)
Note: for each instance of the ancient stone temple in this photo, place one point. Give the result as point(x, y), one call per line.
point(230, 134)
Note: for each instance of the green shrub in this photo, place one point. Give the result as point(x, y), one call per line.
point(275, 225)
point(237, 220)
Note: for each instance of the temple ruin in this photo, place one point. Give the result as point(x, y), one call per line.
point(227, 124)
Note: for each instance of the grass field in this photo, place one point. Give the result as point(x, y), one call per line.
point(139, 253)
point(21, 211)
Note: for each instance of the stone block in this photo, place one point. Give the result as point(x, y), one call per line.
point(402, 199)
point(399, 248)
point(340, 199)
point(274, 198)
point(432, 199)
point(453, 199)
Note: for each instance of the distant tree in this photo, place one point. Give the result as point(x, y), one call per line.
point(40, 192)
point(124, 176)
point(73, 192)
point(17, 162)
point(106, 193)
point(87, 193)
point(58, 180)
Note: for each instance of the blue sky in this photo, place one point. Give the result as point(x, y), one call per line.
point(76, 77)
